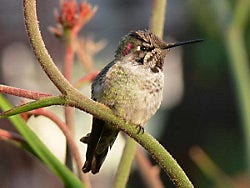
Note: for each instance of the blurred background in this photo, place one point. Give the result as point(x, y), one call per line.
point(202, 107)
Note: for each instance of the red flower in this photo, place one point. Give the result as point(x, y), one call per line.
point(67, 16)
point(74, 16)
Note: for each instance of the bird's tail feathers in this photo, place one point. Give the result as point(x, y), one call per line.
point(99, 141)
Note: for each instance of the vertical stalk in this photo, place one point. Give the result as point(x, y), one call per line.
point(158, 17)
point(233, 33)
point(124, 167)
point(240, 72)
point(69, 112)
point(67, 72)
point(157, 27)
point(240, 69)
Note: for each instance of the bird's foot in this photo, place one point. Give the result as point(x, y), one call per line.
point(140, 129)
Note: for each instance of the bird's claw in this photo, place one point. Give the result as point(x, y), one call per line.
point(140, 129)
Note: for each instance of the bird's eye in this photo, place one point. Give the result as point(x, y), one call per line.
point(143, 48)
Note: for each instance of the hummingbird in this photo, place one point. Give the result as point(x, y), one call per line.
point(131, 86)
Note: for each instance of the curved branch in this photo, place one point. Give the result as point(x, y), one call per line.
point(40, 51)
point(159, 153)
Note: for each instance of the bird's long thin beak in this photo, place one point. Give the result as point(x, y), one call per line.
point(172, 45)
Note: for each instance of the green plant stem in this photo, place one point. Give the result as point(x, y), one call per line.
point(238, 57)
point(241, 14)
point(40, 51)
point(40, 149)
point(241, 74)
point(158, 17)
point(239, 64)
point(125, 164)
point(44, 102)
